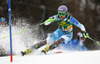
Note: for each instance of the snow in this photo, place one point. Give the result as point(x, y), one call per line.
point(79, 57)
point(23, 40)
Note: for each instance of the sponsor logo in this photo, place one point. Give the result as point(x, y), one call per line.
point(63, 22)
point(68, 28)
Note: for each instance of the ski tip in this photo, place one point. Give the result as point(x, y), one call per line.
point(58, 52)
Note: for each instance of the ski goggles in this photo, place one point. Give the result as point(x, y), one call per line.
point(62, 14)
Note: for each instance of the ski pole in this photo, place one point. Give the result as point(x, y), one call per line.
point(16, 33)
point(91, 39)
point(49, 20)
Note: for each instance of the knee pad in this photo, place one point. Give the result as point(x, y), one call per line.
point(49, 39)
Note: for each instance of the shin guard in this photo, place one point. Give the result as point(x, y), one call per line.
point(40, 44)
point(56, 44)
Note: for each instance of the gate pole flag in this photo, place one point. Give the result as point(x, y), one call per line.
point(9, 11)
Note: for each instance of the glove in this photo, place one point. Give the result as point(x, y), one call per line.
point(85, 34)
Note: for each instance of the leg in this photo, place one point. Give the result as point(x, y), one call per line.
point(64, 38)
point(40, 44)
point(49, 39)
point(56, 43)
point(54, 36)
point(53, 45)
point(59, 41)
point(36, 46)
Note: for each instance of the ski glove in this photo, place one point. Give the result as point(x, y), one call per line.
point(85, 34)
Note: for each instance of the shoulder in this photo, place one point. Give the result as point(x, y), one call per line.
point(69, 14)
point(54, 16)
point(72, 17)
point(74, 21)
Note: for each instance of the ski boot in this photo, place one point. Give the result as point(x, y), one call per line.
point(34, 47)
point(27, 51)
point(23, 53)
point(45, 50)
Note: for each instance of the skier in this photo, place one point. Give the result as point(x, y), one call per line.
point(76, 44)
point(62, 34)
point(2, 20)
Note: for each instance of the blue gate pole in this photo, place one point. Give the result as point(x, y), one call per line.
point(9, 11)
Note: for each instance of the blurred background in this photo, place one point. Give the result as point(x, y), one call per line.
point(86, 12)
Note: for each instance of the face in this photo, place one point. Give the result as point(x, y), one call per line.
point(62, 14)
point(62, 17)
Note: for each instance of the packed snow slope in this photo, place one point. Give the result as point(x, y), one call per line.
point(75, 57)
point(22, 40)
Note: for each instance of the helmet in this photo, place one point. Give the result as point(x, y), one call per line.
point(62, 8)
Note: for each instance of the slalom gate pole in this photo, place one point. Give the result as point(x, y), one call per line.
point(9, 11)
